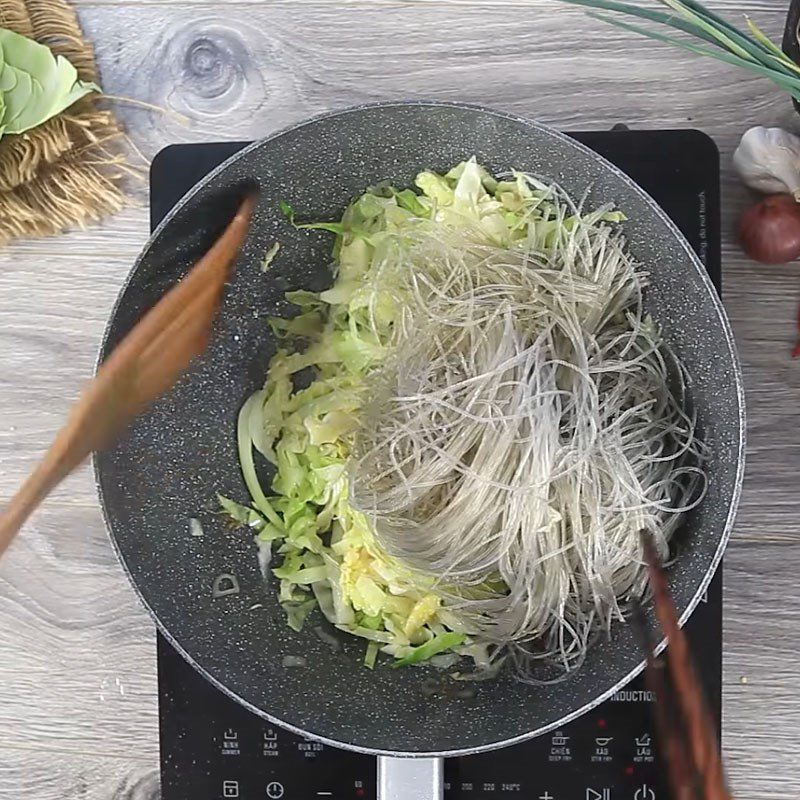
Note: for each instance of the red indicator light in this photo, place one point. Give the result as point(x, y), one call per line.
point(360, 793)
point(629, 770)
point(601, 723)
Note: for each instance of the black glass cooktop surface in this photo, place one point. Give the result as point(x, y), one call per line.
point(211, 748)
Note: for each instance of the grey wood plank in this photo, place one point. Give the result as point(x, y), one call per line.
point(761, 717)
point(730, 8)
point(70, 627)
point(78, 668)
point(75, 776)
point(251, 75)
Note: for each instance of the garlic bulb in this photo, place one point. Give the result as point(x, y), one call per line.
point(768, 160)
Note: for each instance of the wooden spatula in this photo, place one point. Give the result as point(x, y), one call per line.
point(145, 364)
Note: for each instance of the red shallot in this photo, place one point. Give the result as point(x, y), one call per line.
point(770, 230)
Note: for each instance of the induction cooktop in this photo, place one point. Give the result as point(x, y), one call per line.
point(212, 748)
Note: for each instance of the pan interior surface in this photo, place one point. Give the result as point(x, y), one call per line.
point(177, 457)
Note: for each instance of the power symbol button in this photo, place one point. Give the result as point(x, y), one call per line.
point(275, 790)
point(644, 792)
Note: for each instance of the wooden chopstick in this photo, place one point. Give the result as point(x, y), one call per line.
point(143, 366)
point(690, 740)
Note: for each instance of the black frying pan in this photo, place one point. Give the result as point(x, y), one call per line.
point(177, 457)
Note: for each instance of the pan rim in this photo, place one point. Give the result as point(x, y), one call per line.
point(732, 357)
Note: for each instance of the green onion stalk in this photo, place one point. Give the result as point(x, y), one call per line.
point(718, 38)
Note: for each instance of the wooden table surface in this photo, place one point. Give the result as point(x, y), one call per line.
point(78, 716)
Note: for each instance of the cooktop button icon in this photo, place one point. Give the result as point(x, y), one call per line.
point(594, 794)
point(603, 741)
point(274, 790)
point(230, 788)
point(644, 792)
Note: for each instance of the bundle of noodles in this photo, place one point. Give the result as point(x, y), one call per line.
point(523, 432)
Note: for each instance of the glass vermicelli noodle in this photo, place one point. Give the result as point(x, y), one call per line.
point(507, 419)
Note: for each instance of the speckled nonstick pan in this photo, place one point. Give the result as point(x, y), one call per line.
point(177, 457)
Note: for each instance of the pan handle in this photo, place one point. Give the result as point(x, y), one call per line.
point(410, 778)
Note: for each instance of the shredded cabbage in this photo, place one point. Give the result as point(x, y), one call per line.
point(328, 554)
